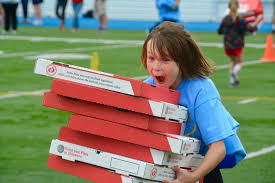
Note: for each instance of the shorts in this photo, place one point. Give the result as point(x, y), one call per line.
point(233, 52)
point(214, 176)
point(37, 1)
point(100, 7)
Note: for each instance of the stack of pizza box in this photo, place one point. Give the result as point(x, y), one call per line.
point(121, 130)
point(252, 11)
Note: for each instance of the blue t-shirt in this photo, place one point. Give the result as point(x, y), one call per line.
point(166, 12)
point(208, 119)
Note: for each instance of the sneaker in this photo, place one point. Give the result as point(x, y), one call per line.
point(235, 84)
point(232, 85)
point(4, 32)
point(13, 32)
point(235, 78)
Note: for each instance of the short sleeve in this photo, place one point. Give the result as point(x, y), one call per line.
point(166, 3)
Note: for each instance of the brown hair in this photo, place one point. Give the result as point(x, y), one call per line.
point(233, 6)
point(171, 40)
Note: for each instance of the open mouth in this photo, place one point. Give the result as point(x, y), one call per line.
point(160, 79)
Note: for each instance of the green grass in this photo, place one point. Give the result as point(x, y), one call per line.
point(27, 127)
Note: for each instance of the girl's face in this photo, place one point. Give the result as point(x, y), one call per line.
point(165, 71)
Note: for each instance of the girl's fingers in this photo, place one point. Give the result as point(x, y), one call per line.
point(176, 169)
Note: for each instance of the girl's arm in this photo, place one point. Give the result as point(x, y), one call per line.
point(213, 157)
point(221, 28)
point(177, 2)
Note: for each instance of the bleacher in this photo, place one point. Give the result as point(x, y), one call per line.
point(198, 15)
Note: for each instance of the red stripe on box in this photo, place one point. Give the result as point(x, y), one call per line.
point(98, 95)
point(110, 114)
point(95, 110)
point(119, 132)
point(106, 144)
point(86, 171)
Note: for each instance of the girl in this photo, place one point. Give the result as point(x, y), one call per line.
point(234, 28)
point(174, 61)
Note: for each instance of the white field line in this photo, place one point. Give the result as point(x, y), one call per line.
point(71, 40)
point(220, 45)
point(260, 152)
point(19, 94)
point(106, 41)
point(253, 62)
point(69, 50)
point(247, 101)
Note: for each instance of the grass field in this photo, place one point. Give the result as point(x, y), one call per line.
point(26, 127)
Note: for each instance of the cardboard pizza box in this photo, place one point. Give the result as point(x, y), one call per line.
point(118, 100)
point(252, 11)
point(86, 171)
point(129, 150)
point(119, 164)
point(164, 142)
point(112, 114)
point(105, 81)
point(92, 172)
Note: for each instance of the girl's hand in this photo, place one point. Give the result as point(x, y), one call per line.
point(182, 176)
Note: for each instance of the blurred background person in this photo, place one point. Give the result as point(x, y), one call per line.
point(60, 12)
point(234, 27)
point(25, 11)
point(10, 7)
point(77, 6)
point(100, 11)
point(37, 12)
point(2, 14)
point(168, 11)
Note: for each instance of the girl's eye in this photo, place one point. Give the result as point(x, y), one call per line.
point(166, 60)
point(150, 58)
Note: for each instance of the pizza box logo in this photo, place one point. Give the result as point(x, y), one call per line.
point(154, 173)
point(51, 70)
point(60, 148)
